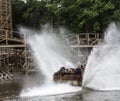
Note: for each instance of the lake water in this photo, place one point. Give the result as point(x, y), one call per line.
point(10, 91)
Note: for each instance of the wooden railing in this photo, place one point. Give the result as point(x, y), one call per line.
point(4, 37)
point(83, 39)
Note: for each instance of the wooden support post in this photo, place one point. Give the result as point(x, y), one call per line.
point(26, 67)
point(98, 37)
point(0, 58)
point(87, 38)
point(78, 39)
point(6, 32)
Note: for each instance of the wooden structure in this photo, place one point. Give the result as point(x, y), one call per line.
point(83, 40)
point(14, 55)
point(83, 43)
point(5, 19)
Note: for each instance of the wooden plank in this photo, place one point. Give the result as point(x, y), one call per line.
point(15, 39)
point(11, 46)
point(81, 46)
point(11, 40)
point(85, 46)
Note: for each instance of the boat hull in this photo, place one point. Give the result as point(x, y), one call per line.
point(73, 79)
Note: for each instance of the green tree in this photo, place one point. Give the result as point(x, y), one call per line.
point(36, 13)
point(18, 8)
point(76, 15)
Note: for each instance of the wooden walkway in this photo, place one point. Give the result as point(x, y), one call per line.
point(83, 40)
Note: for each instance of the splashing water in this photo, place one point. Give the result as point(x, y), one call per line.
point(103, 67)
point(50, 54)
point(50, 90)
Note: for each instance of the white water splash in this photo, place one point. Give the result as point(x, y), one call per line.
point(50, 53)
point(50, 90)
point(103, 68)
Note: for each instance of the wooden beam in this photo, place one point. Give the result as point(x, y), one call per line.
point(12, 46)
point(81, 46)
point(88, 46)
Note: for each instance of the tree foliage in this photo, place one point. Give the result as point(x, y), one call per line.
point(76, 15)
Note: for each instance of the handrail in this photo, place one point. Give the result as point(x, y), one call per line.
point(83, 39)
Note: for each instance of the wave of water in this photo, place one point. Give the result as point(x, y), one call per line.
point(46, 90)
point(103, 67)
point(50, 53)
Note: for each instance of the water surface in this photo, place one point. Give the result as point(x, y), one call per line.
point(10, 91)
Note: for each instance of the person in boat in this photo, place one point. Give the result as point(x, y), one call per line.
point(62, 71)
point(71, 71)
point(78, 70)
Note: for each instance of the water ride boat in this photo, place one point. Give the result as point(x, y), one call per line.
point(74, 77)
